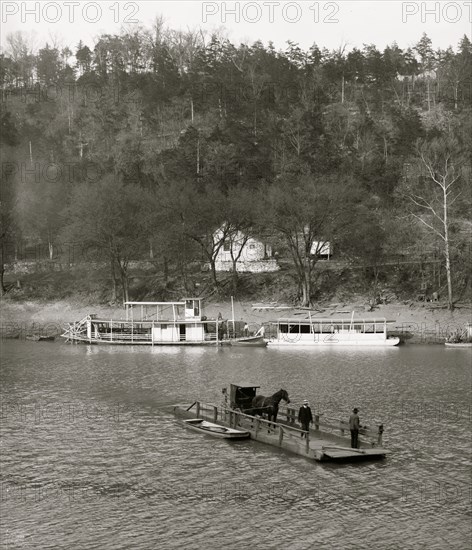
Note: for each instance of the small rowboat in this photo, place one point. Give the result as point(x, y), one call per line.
point(249, 341)
point(39, 338)
point(203, 426)
point(458, 344)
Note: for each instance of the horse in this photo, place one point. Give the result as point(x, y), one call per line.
point(269, 405)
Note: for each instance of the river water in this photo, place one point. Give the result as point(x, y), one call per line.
point(92, 457)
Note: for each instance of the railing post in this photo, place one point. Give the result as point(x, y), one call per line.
point(198, 409)
point(379, 438)
point(308, 441)
point(236, 420)
point(215, 414)
point(317, 421)
point(281, 435)
point(258, 425)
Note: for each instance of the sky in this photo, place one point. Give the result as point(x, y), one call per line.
point(329, 24)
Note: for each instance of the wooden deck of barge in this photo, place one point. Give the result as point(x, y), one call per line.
point(322, 443)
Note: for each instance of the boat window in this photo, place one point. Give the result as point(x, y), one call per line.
point(283, 328)
point(305, 329)
point(294, 329)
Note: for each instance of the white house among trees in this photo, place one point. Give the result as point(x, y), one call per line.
point(321, 249)
point(245, 254)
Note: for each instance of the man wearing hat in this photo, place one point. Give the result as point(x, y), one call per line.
point(305, 417)
point(354, 427)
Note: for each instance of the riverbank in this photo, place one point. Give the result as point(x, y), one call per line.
point(415, 322)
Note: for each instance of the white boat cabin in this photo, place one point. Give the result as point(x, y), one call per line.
point(171, 321)
point(316, 331)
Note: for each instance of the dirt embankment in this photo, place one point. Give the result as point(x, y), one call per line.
point(416, 322)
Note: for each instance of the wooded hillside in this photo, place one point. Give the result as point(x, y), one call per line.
point(141, 146)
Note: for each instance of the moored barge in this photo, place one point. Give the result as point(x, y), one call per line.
point(315, 332)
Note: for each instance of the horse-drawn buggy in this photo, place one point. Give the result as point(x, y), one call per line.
point(244, 397)
point(241, 396)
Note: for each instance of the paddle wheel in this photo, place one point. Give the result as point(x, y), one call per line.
point(78, 330)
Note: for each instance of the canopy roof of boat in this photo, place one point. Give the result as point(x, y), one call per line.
point(246, 385)
point(333, 321)
point(156, 322)
point(182, 302)
point(154, 303)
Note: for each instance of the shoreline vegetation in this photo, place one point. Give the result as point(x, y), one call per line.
point(413, 322)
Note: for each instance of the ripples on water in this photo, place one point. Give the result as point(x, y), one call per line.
point(93, 458)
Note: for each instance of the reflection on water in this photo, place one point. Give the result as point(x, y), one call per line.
point(93, 458)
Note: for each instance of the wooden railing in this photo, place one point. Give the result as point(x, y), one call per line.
point(332, 425)
point(239, 420)
point(121, 336)
point(144, 337)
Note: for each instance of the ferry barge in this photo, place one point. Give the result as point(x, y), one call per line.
point(327, 440)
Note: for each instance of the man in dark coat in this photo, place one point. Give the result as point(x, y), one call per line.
point(354, 427)
point(305, 417)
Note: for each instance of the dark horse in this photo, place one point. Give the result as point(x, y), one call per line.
point(268, 405)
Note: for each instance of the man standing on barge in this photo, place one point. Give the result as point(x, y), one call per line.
point(305, 417)
point(354, 424)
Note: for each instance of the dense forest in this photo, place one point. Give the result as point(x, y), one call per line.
point(143, 145)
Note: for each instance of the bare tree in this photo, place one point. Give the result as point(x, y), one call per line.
point(308, 213)
point(243, 206)
point(435, 196)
